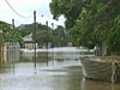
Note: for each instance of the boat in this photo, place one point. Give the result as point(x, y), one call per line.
point(101, 68)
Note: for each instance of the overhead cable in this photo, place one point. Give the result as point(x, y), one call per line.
point(16, 11)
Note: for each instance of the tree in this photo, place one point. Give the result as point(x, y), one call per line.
point(1, 39)
point(9, 33)
point(25, 29)
point(97, 17)
point(61, 36)
point(69, 8)
point(114, 37)
point(56, 36)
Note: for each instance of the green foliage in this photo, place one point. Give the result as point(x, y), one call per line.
point(45, 34)
point(69, 8)
point(77, 33)
point(95, 19)
point(1, 40)
point(80, 36)
point(25, 29)
point(29, 28)
point(61, 36)
point(114, 37)
point(42, 36)
point(9, 34)
point(56, 37)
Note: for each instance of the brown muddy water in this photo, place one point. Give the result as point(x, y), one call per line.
point(52, 72)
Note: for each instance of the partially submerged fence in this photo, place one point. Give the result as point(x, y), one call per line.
point(10, 52)
point(2, 54)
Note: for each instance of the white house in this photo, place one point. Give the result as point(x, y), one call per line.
point(29, 43)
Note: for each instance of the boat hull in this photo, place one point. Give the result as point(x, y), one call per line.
point(100, 70)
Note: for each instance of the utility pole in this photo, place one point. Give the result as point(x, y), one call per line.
point(12, 49)
point(53, 32)
point(47, 33)
point(47, 41)
point(34, 13)
point(13, 23)
point(53, 44)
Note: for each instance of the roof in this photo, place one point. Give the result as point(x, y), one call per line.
point(28, 37)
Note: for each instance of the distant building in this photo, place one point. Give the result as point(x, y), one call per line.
point(69, 44)
point(29, 43)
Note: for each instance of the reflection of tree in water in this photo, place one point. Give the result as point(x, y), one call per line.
point(29, 57)
point(59, 60)
point(4, 67)
point(95, 85)
point(74, 77)
point(65, 55)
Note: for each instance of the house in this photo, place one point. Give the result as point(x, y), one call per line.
point(29, 43)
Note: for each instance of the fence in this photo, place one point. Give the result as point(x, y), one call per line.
point(11, 51)
point(1, 53)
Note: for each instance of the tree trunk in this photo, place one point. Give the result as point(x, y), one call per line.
point(104, 48)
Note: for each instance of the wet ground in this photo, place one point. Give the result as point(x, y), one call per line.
point(62, 76)
point(52, 74)
point(23, 76)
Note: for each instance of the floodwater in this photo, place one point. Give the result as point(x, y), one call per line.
point(53, 71)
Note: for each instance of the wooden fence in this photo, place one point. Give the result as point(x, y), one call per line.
point(10, 52)
point(2, 54)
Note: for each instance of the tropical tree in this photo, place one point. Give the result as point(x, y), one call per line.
point(61, 36)
point(45, 34)
point(94, 19)
point(114, 37)
point(1, 39)
point(9, 33)
point(69, 8)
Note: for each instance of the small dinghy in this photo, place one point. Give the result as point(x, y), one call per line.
point(103, 69)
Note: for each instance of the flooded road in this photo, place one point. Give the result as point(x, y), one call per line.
point(25, 77)
point(51, 74)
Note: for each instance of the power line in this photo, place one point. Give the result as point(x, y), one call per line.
point(16, 11)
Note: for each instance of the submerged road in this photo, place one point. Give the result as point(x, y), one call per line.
point(63, 75)
point(23, 76)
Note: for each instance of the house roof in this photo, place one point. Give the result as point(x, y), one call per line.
point(28, 37)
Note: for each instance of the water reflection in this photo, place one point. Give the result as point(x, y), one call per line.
point(69, 53)
point(57, 71)
point(46, 78)
point(96, 85)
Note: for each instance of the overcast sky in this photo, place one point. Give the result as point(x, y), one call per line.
point(26, 8)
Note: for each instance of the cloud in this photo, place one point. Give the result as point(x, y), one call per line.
point(25, 8)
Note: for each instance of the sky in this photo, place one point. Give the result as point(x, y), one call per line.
point(26, 8)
